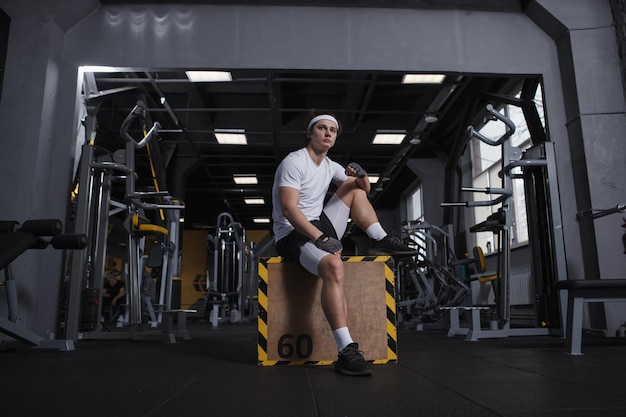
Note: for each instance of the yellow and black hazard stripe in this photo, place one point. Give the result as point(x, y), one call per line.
point(262, 315)
point(390, 299)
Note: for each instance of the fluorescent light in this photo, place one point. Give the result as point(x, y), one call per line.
point(389, 137)
point(254, 201)
point(423, 78)
point(99, 68)
point(373, 178)
point(231, 136)
point(261, 220)
point(208, 76)
point(245, 179)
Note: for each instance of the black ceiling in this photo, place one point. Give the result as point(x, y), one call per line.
point(272, 107)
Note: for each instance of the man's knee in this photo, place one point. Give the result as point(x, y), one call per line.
point(360, 195)
point(350, 194)
point(331, 269)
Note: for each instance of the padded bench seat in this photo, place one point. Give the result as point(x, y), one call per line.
point(581, 291)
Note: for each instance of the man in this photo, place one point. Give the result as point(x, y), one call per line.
point(308, 231)
point(113, 294)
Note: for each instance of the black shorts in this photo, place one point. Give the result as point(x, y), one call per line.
point(289, 246)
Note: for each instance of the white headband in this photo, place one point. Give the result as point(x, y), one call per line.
point(322, 117)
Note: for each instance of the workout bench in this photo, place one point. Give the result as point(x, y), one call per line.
point(581, 291)
point(15, 239)
point(176, 327)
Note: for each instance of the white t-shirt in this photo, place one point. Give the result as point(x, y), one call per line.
point(299, 171)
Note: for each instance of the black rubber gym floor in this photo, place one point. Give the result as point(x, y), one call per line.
point(216, 374)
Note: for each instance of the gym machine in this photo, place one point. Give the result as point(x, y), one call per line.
point(15, 239)
point(428, 282)
point(232, 273)
point(224, 286)
point(264, 248)
point(545, 235)
point(95, 205)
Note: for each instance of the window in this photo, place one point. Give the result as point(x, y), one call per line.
point(414, 215)
point(414, 211)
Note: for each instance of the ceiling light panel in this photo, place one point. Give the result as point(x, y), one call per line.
point(254, 201)
point(245, 179)
point(423, 78)
point(208, 76)
point(231, 136)
point(389, 137)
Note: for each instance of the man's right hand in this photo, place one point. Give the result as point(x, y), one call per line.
point(328, 244)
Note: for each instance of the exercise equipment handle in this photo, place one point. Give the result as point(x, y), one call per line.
point(42, 227)
point(485, 203)
point(153, 206)
point(138, 111)
point(8, 226)
point(620, 208)
point(136, 199)
point(503, 193)
point(113, 166)
point(493, 142)
point(524, 163)
point(489, 190)
point(69, 241)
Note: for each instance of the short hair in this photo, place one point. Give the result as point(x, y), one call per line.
point(113, 274)
point(313, 114)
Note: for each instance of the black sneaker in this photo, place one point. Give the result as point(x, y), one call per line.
point(390, 245)
point(351, 362)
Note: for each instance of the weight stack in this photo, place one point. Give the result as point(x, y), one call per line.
point(292, 328)
point(90, 300)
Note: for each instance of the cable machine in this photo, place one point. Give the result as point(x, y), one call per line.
point(95, 205)
point(225, 284)
point(545, 234)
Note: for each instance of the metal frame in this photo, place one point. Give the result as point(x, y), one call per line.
point(93, 210)
point(512, 158)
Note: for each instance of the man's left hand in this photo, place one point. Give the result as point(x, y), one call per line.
point(355, 170)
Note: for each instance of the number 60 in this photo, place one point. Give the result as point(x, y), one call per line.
point(303, 346)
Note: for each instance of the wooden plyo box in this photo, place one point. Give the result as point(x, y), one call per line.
point(292, 328)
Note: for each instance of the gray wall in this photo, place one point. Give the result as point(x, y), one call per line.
point(570, 43)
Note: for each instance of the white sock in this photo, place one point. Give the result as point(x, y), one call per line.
point(376, 231)
point(342, 337)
